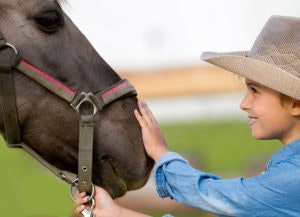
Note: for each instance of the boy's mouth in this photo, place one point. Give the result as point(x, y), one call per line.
point(252, 121)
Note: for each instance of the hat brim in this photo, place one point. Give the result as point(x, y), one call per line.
point(256, 70)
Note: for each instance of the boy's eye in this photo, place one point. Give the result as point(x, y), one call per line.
point(253, 89)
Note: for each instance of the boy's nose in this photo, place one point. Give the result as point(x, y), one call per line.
point(245, 105)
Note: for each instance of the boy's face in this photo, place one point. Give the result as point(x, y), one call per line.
point(269, 118)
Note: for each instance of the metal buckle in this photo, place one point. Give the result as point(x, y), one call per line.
point(86, 97)
point(14, 58)
point(11, 46)
point(74, 188)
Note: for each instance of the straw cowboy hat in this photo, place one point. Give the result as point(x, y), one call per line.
point(274, 59)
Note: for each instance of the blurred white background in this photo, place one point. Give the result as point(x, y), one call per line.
point(144, 34)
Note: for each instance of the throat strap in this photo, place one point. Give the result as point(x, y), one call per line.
point(62, 174)
point(8, 103)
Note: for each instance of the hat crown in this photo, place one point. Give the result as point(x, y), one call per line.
point(274, 59)
point(279, 44)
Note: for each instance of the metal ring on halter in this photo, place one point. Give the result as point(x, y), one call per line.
point(86, 97)
point(12, 47)
point(74, 184)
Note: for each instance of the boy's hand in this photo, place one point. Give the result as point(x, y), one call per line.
point(79, 204)
point(153, 138)
point(105, 206)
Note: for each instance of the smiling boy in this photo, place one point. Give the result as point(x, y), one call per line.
point(272, 76)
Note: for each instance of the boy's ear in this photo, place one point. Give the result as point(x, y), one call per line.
point(295, 109)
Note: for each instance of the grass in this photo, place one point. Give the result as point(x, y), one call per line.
point(224, 148)
point(219, 147)
point(28, 189)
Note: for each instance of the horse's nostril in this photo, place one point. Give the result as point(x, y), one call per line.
point(102, 158)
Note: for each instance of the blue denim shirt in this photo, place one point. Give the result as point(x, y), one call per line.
point(274, 193)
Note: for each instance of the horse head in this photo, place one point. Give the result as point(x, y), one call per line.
point(44, 35)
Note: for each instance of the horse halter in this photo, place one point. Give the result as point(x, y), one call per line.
point(97, 101)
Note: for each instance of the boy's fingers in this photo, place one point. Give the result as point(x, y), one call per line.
point(79, 209)
point(146, 114)
point(80, 195)
point(140, 114)
point(80, 199)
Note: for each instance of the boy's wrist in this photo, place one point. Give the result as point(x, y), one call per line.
point(158, 155)
point(116, 210)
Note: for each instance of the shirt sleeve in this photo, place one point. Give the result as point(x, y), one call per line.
point(262, 194)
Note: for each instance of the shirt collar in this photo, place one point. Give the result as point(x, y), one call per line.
point(286, 152)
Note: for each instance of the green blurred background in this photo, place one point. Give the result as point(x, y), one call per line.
point(224, 147)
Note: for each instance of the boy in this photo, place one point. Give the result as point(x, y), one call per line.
point(272, 75)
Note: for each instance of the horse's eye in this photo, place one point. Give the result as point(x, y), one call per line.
point(49, 22)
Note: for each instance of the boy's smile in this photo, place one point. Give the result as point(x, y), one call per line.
point(252, 121)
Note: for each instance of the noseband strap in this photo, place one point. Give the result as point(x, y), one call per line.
point(98, 100)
